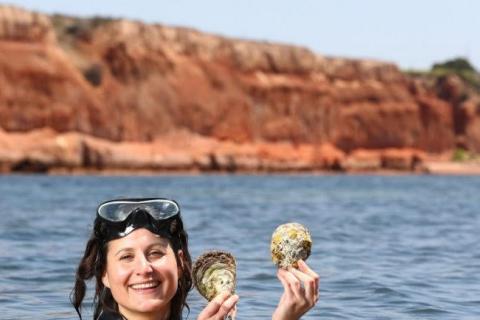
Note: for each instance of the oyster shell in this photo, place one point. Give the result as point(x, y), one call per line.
point(290, 243)
point(214, 272)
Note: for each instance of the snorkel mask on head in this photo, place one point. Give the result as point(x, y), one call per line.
point(118, 218)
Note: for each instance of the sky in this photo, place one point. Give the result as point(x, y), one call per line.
point(414, 34)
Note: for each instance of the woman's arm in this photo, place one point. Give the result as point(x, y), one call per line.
point(300, 292)
point(221, 306)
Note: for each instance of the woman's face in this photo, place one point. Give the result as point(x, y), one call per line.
point(142, 273)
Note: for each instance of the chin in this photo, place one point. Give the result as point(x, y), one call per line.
point(151, 305)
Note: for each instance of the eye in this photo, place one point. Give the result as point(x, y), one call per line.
point(156, 253)
point(126, 257)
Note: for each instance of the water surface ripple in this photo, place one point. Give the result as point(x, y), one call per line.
point(393, 247)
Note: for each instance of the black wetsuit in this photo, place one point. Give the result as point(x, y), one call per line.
point(107, 315)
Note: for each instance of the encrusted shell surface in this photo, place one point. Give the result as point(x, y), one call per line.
point(214, 272)
point(290, 243)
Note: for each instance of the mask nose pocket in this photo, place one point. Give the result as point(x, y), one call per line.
point(140, 217)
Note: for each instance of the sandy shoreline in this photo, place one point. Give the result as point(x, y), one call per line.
point(452, 168)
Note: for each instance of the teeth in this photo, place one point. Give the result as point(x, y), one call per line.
point(145, 285)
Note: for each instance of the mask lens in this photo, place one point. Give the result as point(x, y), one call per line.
point(118, 211)
point(161, 210)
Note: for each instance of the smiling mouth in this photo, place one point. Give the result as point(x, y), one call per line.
point(145, 285)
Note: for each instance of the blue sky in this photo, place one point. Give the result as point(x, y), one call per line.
point(412, 34)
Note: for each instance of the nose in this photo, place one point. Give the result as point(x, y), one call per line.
point(143, 266)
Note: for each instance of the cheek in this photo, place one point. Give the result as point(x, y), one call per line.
point(168, 270)
point(118, 275)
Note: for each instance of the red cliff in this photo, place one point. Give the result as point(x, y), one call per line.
point(133, 93)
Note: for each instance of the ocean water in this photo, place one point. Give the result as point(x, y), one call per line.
point(385, 247)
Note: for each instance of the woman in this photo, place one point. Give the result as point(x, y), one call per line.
point(138, 254)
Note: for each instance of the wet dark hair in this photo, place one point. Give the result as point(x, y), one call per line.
point(94, 262)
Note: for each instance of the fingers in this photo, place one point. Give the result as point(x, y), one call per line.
point(309, 293)
point(214, 305)
point(228, 307)
point(233, 313)
point(300, 292)
point(295, 284)
point(302, 266)
point(286, 279)
point(219, 307)
point(303, 284)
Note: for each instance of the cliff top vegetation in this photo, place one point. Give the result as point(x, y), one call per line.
point(458, 66)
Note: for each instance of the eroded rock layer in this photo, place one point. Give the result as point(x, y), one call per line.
point(124, 81)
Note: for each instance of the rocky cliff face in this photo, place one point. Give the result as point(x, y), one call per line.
point(125, 81)
point(21, 25)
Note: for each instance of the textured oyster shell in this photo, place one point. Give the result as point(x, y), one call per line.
point(290, 243)
point(214, 272)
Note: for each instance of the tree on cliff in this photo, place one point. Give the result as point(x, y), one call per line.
point(460, 67)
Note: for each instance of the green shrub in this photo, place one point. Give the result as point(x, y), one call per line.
point(460, 67)
point(456, 65)
point(460, 154)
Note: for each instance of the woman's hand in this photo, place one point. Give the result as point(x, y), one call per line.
point(300, 292)
point(222, 305)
